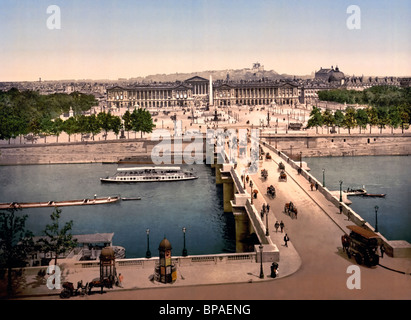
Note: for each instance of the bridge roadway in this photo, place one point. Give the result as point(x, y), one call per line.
point(316, 267)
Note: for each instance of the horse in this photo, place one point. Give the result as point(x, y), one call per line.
point(271, 191)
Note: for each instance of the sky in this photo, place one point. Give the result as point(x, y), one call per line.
point(107, 39)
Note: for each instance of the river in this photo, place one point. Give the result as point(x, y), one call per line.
point(379, 174)
point(165, 207)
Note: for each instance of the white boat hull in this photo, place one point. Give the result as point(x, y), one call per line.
point(145, 179)
point(149, 174)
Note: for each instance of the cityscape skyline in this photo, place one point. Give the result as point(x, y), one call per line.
point(128, 39)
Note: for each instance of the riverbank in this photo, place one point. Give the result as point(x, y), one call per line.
point(293, 144)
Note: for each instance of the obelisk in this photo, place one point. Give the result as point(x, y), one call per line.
point(210, 97)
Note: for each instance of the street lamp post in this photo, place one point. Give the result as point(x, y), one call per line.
point(184, 248)
point(301, 159)
point(323, 178)
point(341, 182)
point(261, 262)
point(251, 191)
point(148, 253)
point(266, 224)
point(376, 219)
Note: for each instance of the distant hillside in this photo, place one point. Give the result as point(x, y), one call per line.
point(234, 75)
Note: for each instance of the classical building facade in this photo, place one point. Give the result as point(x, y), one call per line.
point(256, 93)
point(196, 91)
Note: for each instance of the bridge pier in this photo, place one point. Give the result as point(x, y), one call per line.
point(218, 176)
point(243, 226)
point(228, 186)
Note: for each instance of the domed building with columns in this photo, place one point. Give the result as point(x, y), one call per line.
point(330, 75)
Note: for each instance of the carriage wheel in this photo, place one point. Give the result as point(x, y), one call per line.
point(359, 258)
point(65, 293)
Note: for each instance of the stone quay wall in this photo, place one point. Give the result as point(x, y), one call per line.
point(290, 144)
point(111, 151)
point(336, 145)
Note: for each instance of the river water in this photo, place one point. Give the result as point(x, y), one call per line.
point(165, 207)
point(379, 174)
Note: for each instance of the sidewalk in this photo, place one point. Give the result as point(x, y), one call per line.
point(136, 277)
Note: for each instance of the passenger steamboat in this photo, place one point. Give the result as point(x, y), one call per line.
point(150, 174)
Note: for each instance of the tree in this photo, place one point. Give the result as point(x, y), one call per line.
point(394, 116)
point(127, 123)
point(10, 125)
point(15, 243)
point(141, 121)
point(46, 127)
point(405, 119)
point(83, 125)
point(383, 118)
point(316, 119)
point(328, 119)
point(70, 126)
point(361, 117)
point(339, 119)
point(35, 126)
point(372, 116)
point(57, 127)
point(94, 125)
point(104, 122)
point(349, 119)
point(57, 240)
point(27, 111)
point(115, 124)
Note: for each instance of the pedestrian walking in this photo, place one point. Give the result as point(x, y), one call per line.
point(262, 213)
point(264, 207)
point(382, 250)
point(286, 239)
point(120, 280)
point(316, 186)
point(282, 226)
point(276, 226)
point(312, 186)
point(268, 208)
point(274, 269)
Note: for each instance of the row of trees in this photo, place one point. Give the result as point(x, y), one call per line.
point(381, 117)
point(27, 112)
point(139, 120)
point(387, 106)
point(377, 96)
point(24, 112)
point(16, 242)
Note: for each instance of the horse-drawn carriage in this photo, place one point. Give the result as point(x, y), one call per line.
point(289, 208)
point(283, 176)
point(271, 191)
point(264, 174)
point(281, 166)
point(267, 156)
point(362, 244)
point(69, 291)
